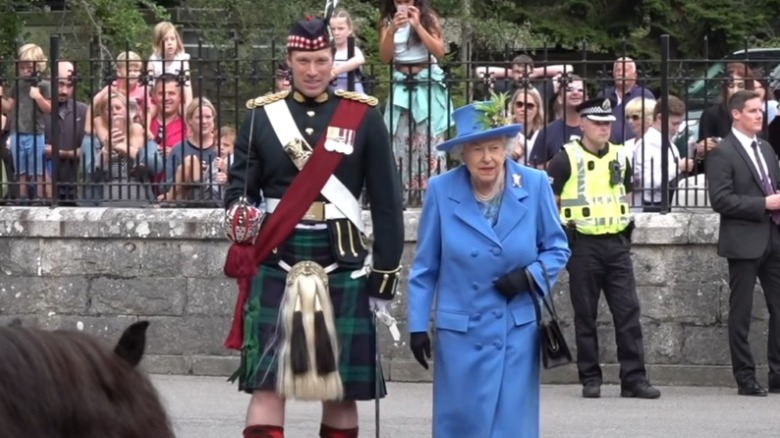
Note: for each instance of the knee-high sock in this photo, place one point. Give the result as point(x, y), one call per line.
point(263, 431)
point(331, 432)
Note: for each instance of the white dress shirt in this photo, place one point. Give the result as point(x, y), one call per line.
point(647, 164)
point(746, 142)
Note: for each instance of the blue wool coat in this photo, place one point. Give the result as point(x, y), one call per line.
point(486, 350)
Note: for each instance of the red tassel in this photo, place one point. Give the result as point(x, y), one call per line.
point(235, 339)
point(240, 261)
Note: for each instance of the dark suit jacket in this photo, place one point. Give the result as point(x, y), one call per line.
point(737, 194)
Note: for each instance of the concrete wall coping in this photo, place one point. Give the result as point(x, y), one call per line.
point(195, 223)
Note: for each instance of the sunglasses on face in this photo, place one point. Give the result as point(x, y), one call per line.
point(521, 105)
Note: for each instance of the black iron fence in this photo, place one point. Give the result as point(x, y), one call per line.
point(119, 149)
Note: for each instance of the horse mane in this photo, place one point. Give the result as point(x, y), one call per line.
point(67, 384)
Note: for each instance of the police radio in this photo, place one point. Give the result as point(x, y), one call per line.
point(614, 173)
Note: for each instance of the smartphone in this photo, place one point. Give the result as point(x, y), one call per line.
point(404, 9)
point(118, 122)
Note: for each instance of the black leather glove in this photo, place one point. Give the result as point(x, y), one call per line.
point(512, 283)
point(421, 347)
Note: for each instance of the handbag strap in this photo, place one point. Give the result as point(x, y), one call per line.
point(548, 303)
point(534, 296)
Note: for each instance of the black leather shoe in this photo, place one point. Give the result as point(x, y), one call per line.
point(752, 389)
point(642, 389)
point(591, 390)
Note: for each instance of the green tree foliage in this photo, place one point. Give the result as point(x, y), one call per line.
point(116, 25)
point(490, 26)
point(636, 26)
point(11, 25)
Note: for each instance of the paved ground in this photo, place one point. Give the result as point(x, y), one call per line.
point(204, 407)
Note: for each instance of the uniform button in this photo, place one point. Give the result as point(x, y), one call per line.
point(474, 253)
point(498, 313)
point(310, 113)
point(496, 251)
point(478, 346)
point(498, 345)
point(474, 286)
point(477, 317)
point(309, 131)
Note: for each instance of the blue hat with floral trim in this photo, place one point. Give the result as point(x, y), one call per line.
point(481, 120)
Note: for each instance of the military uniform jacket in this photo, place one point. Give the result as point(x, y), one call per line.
point(263, 164)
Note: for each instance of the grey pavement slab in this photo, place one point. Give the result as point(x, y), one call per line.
point(209, 407)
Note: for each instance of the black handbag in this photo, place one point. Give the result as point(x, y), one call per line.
point(555, 351)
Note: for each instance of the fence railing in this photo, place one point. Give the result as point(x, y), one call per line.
point(127, 157)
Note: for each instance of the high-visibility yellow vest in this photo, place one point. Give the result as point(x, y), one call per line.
point(588, 198)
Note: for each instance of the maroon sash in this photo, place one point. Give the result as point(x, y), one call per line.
point(242, 260)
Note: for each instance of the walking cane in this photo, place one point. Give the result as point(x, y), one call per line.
point(388, 320)
point(378, 371)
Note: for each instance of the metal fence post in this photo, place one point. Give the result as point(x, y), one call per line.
point(54, 56)
point(665, 140)
point(350, 55)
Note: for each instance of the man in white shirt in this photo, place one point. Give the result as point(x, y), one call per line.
point(648, 156)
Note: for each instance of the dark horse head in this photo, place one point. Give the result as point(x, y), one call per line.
point(67, 384)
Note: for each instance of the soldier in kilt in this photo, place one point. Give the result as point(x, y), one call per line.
point(357, 283)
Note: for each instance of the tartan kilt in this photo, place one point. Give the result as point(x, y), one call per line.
point(354, 321)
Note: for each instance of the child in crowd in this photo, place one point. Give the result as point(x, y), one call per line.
point(169, 55)
point(342, 27)
point(227, 138)
point(31, 97)
point(128, 70)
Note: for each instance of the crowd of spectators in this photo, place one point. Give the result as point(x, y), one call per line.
point(151, 142)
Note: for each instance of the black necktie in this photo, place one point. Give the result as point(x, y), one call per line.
point(767, 185)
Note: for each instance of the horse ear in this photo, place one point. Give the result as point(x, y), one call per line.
point(132, 343)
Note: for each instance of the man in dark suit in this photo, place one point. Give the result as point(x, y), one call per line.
point(743, 175)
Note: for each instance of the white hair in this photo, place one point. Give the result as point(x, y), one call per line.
point(509, 145)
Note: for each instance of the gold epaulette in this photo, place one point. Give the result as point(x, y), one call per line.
point(359, 97)
point(257, 102)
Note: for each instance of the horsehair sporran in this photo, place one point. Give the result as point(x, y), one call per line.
point(307, 297)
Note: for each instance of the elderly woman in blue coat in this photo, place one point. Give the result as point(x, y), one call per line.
point(482, 226)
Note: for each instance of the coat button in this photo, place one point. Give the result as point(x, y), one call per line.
point(477, 317)
point(498, 314)
point(498, 345)
point(474, 253)
point(474, 286)
point(478, 346)
point(496, 251)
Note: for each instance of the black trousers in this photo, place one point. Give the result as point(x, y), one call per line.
point(603, 263)
point(742, 281)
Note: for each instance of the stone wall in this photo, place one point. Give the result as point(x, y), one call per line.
point(99, 269)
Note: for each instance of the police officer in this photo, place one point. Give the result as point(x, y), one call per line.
point(287, 136)
point(591, 180)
